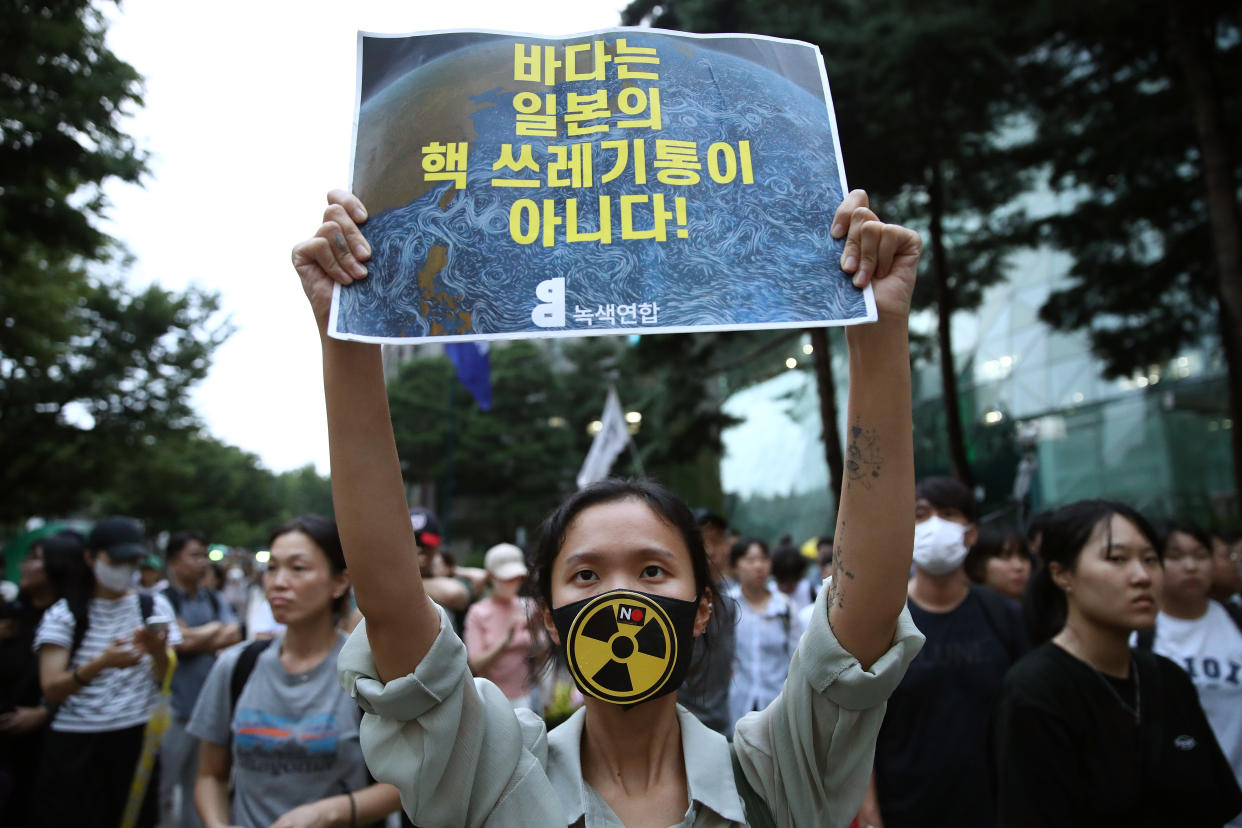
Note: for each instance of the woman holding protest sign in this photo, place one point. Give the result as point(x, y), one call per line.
point(624, 586)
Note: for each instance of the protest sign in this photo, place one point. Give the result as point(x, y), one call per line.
point(622, 181)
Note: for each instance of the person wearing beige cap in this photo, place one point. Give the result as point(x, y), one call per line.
point(497, 634)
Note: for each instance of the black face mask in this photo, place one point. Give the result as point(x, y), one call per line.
point(627, 647)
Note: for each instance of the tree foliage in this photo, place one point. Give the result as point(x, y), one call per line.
point(1140, 108)
point(62, 97)
point(63, 94)
point(924, 95)
point(1118, 132)
point(95, 377)
point(493, 471)
point(117, 386)
point(508, 467)
point(188, 480)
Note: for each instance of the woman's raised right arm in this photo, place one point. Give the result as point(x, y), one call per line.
point(367, 490)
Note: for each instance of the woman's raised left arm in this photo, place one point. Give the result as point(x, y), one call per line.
point(874, 538)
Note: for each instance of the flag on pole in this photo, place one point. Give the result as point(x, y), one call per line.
point(611, 440)
point(473, 369)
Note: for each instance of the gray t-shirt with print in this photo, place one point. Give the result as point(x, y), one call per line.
point(294, 736)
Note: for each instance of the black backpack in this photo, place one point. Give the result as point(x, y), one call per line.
point(242, 670)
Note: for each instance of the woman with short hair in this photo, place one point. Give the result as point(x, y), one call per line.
point(1000, 560)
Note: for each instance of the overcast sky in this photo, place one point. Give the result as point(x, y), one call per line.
point(248, 118)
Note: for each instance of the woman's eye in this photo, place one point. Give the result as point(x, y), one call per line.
point(584, 575)
point(653, 571)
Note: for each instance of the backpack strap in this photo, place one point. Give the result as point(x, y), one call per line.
point(1235, 612)
point(999, 619)
point(146, 604)
point(758, 814)
point(242, 670)
point(174, 598)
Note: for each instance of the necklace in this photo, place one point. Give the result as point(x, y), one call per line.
point(1137, 710)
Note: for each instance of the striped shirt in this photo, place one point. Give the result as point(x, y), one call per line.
point(117, 698)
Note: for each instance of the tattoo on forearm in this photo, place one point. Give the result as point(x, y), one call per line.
point(863, 459)
point(840, 574)
point(839, 566)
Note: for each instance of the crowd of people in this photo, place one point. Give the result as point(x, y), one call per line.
point(924, 668)
point(260, 731)
point(1022, 674)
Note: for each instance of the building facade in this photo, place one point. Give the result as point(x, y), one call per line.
point(1158, 440)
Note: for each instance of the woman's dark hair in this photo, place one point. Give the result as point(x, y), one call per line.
point(323, 532)
point(1167, 528)
point(658, 499)
point(1066, 532)
point(666, 505)
point(739, 549)
point(1035, 525)
point(948, 493)
point(994, 543)
point(70, 578)
point(787, 563)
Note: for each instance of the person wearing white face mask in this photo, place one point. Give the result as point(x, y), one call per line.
point(932, 756)
point(103, 651)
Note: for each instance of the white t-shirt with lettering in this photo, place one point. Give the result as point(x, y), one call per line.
point(119, 697)
point(1209, 649)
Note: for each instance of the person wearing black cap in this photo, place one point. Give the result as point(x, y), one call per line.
point(103, 651)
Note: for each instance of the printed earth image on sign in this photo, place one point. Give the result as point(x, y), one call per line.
point(624, 181)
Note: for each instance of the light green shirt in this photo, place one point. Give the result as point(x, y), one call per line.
point(461, 756)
